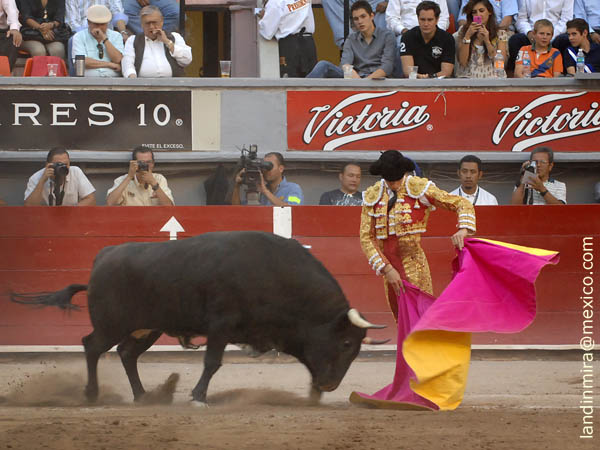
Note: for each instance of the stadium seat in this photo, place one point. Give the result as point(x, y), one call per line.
point(38, 66)
point(4, 67)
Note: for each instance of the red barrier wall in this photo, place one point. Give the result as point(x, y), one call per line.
point(45, 249)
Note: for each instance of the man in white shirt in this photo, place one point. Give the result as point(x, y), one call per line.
point(535, 187)
point(559, 12)
point(59, 183)
point(292, 23)
point(155, 53)
point(10, 36)
point(469, 173)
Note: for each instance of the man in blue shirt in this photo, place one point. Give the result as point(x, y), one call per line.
point(274, 189)
point(589, 10)
point(577, 29)
point(103, 48)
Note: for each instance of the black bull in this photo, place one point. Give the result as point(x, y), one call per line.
point(232, 287)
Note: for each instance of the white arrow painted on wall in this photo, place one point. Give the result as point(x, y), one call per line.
point(172, 227)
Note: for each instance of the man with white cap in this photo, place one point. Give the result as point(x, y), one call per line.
point(103, 48)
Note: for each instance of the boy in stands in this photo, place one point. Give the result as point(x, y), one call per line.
point(578, 31)
point(545, 61)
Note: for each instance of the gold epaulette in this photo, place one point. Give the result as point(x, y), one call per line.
point(373, 193)
point(416, 186)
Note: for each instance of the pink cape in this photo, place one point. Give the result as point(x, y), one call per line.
point(492, 291)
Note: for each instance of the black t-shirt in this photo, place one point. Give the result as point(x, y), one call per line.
point(428, 56)
point(340, 198)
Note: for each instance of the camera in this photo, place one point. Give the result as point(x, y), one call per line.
point(477, 20)
point(61, 170)
point(530, 172)
point(142, 166)
point(253, 165)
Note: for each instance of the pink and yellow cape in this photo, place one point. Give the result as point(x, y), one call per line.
point(492, 290)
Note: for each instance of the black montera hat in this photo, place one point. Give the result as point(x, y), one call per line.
point(391, 165)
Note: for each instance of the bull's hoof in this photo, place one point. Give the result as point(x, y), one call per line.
point(198, 404)
point(91, 394)
point(314, 397)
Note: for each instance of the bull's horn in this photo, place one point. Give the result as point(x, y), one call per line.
point(371, 341)
point(356, 319)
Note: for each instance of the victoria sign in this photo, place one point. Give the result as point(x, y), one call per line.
point(443, 121)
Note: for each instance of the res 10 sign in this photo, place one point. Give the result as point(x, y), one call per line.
point(95, 120)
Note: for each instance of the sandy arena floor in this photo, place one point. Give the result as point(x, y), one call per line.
point(261, 404)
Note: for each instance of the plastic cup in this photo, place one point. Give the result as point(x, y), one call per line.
point(52, 70)
point(225, 69)
point(348, 69)
point(414, 70)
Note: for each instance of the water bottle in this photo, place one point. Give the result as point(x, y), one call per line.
point(580, 61)
point(499, 65)
point(526, 65)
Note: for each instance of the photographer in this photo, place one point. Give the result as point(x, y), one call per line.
point(140, 186)
point(535, 187)
point(273, 188)
point(59, 183)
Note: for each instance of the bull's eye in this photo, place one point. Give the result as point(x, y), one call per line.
point(347, 343)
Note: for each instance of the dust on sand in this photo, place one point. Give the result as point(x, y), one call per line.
point(508, 406)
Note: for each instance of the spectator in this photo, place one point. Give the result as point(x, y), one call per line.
point(348, 195)
point(292, 23)
point(103, 48)
point(505, 12)
point(370, 50)
point(274, 189)
point(546, 62)
point(427, 46)
point(334, 11)
point(540, 189)
point(155, 53)
point(589, 10)
point(77, 14)
point(477, 43)
point(140, 186)
point(168, 8)
point(558, 12)
point(469, 173)
point(10, 36)
point(401, 16)
point(44, 32)
point(59, 183)
point(578, 29)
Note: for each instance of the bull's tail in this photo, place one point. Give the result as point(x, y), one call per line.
point(62, 298)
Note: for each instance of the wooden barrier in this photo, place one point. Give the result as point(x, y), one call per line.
point(45, 249)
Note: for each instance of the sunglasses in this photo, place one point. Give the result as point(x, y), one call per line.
point(100, 51)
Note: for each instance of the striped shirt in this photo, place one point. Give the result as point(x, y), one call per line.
point(556, 188)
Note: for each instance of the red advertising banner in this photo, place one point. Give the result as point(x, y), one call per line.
point(443, 121)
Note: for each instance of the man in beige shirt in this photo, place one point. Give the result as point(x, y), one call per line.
point(140, 186)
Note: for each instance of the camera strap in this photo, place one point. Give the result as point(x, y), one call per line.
point(57, 193)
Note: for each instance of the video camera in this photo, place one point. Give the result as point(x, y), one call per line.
point(253, 165)
point(61, 170)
